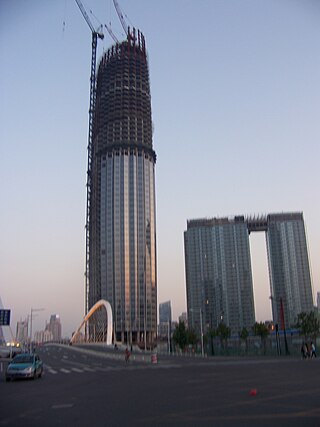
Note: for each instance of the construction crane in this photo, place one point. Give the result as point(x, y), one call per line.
point(122, 20)
point(108, 27)
point(95, 35)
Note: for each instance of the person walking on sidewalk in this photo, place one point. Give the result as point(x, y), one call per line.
point(312, 350)
point(127, 355)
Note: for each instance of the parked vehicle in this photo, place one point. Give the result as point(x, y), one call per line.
point(25, 365)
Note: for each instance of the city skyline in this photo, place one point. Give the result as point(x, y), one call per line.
point(235, 101)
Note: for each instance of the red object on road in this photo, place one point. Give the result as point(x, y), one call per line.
point(253, 392)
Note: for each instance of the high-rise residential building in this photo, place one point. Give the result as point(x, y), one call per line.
point(165, 318)
point(318, 301)
point(183, 318)
point(219, 277)
point(218, 274)
point(165, 314)
point(122, 262)
point(54, 326)
point(22, 331)
point(41, 337)
point(289, 271)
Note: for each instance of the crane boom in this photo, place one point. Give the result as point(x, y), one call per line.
point(85, 15)
point(122, 20)
point(95, 35)
point(111, 33)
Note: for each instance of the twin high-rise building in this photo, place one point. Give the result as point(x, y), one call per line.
point(289, 270)
point(219, 276)
point(122, 244)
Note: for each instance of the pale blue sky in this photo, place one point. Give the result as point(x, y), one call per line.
point(236, 107)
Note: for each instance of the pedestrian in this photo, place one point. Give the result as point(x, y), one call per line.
point(303, 350)
point(313, 350)
point(307, 350)
point(127, 355)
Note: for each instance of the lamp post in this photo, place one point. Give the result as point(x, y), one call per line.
point(201, 331)
point(31, 314)
point(284, 327)
point(276, 326)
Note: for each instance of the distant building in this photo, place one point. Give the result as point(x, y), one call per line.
point(54, 326)
point(219, 276)
point(22, 331)
point(165, 318)
point(165, 314)
point(318, 300)
point(184, 318)
point(41, 337)
point(289, 271)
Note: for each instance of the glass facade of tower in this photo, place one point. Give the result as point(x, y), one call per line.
point(122, 221)
point(218, 274)
point(289, 271)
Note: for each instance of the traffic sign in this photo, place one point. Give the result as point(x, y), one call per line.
point(4, 317)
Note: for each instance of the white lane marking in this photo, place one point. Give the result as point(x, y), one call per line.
point(65, 371)
point(77, 370)
point(88, 369)
point(49, 369)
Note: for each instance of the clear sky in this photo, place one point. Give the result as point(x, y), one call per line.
point(236, 112)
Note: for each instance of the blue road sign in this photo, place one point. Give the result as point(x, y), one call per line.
point(4, 317)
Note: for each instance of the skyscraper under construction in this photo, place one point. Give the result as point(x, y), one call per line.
point(122, 263)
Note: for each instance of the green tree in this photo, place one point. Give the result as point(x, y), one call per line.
point(309, 324)
point(180, 336)
point(223, 332)
point(261, 330)
point(191, 337)
point(244, 336)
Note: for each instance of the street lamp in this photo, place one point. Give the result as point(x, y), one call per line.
point(31, 312)
point(201, 331)
point(169, 336)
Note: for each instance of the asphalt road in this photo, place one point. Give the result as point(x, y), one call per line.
point(84, 388)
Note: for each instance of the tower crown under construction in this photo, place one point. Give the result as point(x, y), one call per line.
point(123, 104)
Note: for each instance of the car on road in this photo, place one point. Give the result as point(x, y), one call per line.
point(25, 365)
point(9, 350)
